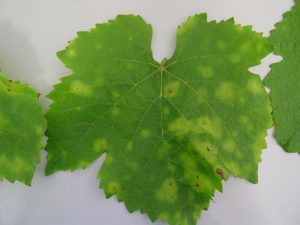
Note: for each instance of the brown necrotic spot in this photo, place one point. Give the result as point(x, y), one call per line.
point(220, 172)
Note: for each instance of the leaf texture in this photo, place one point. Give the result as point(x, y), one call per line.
point(172, 130)
point(284, 80)
point(22, 125)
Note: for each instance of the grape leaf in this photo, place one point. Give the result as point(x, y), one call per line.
point(284, 80)
point(21, 130)
point(172, 131)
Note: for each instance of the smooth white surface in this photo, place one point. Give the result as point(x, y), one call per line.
point(32, 31)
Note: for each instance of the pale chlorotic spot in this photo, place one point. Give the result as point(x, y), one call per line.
point(164, 216)
point(115, 111)
point(38, 129)
point(229, 145)
point(203, 148)
point(225, 91)
point(109, 159)
point(197, 212)
point(100, 145)
point(205, 71)
point(195, 177)
point(255, 86)
point(189, 24)
point(221, 45)
point(145, 133)
point(207, 151)
point(241, 100)
point(84, 163)
point(233, 167)
point(179, 127)
point(235, 133)
point(129, 146)
point(81, 89)
point(246, 46)
point(98, 46)
point(172, 89)
point(246, 122)
point(188, 162)
point(71, 53)
point(235, 58)
point(244, 119)
point(168, 191)
point(15, 166)
point(206, 125)
point(115, 94)
point(247, 169)
point(113, 187)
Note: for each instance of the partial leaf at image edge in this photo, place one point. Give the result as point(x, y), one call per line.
point(22, 125)
point(172, 131)
point(284, 80)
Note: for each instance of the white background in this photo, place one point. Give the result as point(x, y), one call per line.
point(32, 31)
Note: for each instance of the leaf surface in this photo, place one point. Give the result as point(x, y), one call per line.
point(21, 130)
point(171, 131)
point(284, 80)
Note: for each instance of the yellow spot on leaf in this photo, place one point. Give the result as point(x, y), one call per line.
point(235, 58)
point(172, 89)
point(115, 111)
point(179, 127)
point(81, 89)
point(229, 145)
point(38, 129)
point(206, 125)
point(98, 46)
point(113, 188)
point(71, 53)
point(129, 146)
point(168, 191)
point(164, 216)
point(206, 71)
point(221, 45)
point(109, 159)
point(255, 86)
point(225, 91)
point(145, 133)
point(100, 145)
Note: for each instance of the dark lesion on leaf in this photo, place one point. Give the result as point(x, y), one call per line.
point(220, 172)
point(170, 91)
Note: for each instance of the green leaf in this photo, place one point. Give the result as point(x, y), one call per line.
point(171, 131)
point(284, 80)
point(22, 125)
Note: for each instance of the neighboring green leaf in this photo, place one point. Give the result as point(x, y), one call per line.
point(171, 131)
point(21, 130)
point(284, 80)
